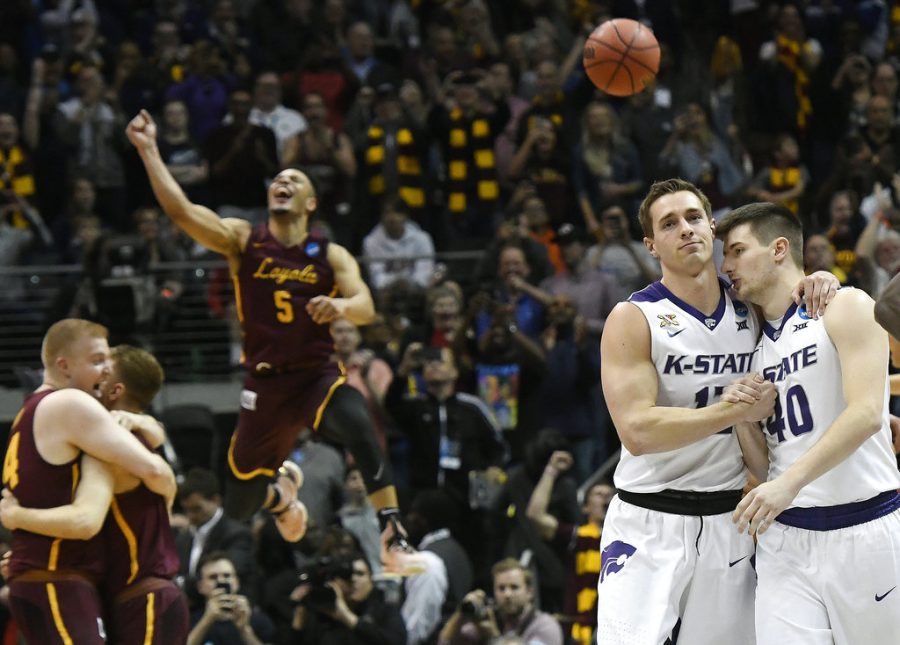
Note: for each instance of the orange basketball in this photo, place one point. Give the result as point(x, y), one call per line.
point(621, 56)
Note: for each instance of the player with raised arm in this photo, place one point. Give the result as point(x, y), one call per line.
point(289, 285)
point(58, 438)
point(671, 558)
point(827, 516)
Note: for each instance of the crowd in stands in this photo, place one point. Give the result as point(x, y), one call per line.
point(431, 127)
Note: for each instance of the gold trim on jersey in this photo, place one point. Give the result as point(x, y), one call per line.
point(151, 619)
point(237, 297)
point(321, 409)
point(57, 617)
point(266, 472)
point(134, 565)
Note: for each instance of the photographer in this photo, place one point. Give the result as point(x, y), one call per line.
point(512, 613)
point(338, 605)
point(227, 618)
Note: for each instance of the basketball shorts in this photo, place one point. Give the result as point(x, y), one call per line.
point(659, 569)
point(274, 408)
point(155, 614)
point(57, 609)
point(829, 586)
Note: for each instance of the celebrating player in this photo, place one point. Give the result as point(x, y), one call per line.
point(828, 518)
point(289, 285)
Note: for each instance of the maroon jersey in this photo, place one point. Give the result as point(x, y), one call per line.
point(272, 288)
point(139, 539)
point(37, 484)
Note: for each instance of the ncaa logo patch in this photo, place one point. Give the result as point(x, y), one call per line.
point(740, 309)
point(614, 557)
point(248, 400)
point(312, 249)
point(801, 311)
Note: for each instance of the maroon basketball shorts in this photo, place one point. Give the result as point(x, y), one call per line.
point(56, 608)
point(152, 611)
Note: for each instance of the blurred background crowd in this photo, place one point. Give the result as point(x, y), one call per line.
point(490, 193)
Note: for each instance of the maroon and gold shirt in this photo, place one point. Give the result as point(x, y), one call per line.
point(38, 484)
point(272, 288)
point(139, 539)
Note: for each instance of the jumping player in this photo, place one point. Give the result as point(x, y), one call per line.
point(670, 554)
point(828, 518)
point(144, 604)
point(58, 439)
point(289, 285)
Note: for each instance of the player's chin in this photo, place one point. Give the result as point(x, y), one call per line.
point(280, 209)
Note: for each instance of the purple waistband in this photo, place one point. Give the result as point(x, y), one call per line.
point(830, 518)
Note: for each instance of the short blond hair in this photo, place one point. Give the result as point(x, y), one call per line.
point(64, 333)
point(511, 564)
point(139, 372)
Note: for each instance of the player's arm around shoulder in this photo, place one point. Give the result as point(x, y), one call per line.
point(355, 303)
point(80, 421)
point(80, 520)
point(862, 347)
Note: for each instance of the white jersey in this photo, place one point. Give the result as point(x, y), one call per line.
point(696, 357)
point(799, 357)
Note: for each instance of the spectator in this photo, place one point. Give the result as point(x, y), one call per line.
point(607, 166)
point(467, 131)
point(845, 225)
point(500, 75)
point(694, 152)
point(360, 57)
point(513, 612)
point(579, 543)
point(357, 517)
point(444, 316)
point(180, 153)
point(785, 179)
point(205, 89)
point(625, 260)
point(353, 612)
point(511, 232)
point(536, 221)
point(397, 250)
point(227, 617)
point(268, 111)
point(818, 255)
point(451, 434)
point(326, 157)
point(17, 185)
point(241, 157)
point(146, 86)
point(393, 158)
point(95, 133)
point(433, 522)
point(571, 396)
point(544, 161)
point(549, 103)
point(209, 530)
point(647, 121)
point(511, 291)
point(593, 293)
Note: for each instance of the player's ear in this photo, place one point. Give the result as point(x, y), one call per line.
point(781, 248)
point(648, 242)
point(62, 364)
point(311, 204)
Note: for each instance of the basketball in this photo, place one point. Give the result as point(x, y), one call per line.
point(621, 56)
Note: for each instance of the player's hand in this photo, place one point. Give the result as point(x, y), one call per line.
point(747, 389)
point(764, 407)
point(9, 510)
point(762, 505)
point(324, 310)
point(141, 130)
point(816, 290)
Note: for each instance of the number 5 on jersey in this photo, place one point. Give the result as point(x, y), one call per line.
point(11, 463)
point(285, 313)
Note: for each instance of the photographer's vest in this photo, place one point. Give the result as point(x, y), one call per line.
point(471, 167)
point(410, 187)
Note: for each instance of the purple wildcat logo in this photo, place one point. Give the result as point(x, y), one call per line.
point(614, 557)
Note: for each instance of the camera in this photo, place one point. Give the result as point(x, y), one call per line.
point(225, 585)
point(474, 611)
point(320, 572)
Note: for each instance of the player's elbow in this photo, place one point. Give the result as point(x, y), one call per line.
point(87, 524)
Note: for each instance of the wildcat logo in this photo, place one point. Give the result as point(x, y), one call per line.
point(614, 558)
point(667, 320)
